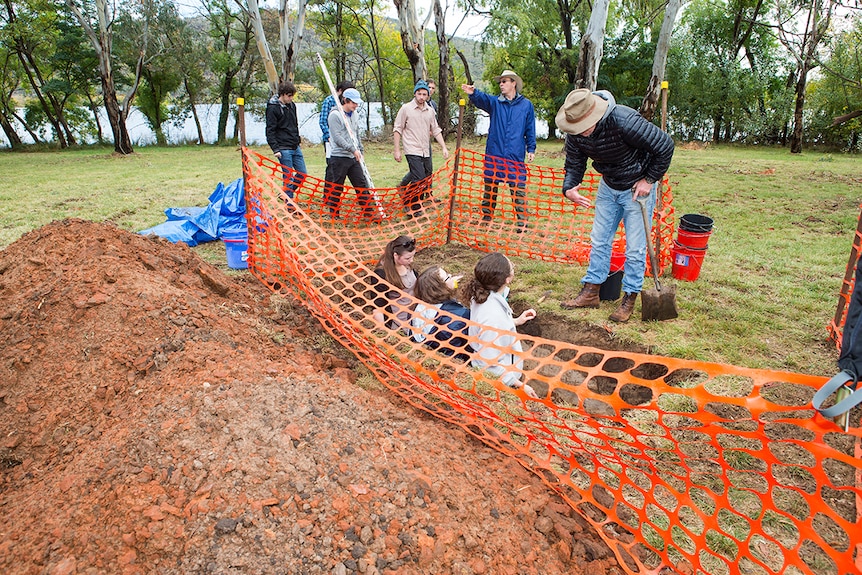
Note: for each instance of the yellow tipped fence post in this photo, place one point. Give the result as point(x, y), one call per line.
point(240, 118)
point(664, 106)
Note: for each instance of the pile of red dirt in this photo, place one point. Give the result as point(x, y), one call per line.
point(159, 416)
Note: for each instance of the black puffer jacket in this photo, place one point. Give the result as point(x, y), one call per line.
point(624, 148)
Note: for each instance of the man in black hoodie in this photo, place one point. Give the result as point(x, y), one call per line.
point(631, 154)
point(282, 135)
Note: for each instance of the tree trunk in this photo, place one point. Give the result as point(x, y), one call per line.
point(469, 126)
point(445, 70)
point(193, 104)
point(379, 76)
point(659, 62)
point(804, 47)
point(290, 47)
point(796, 135)
point(11, 135)
point(102, 45)
point(94, 108)
point(412, 38)
point(30, 130)
point(265, 54)
point(592, 47)
point(716, 128)
point(226, 89)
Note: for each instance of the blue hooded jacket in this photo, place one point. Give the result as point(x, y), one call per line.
point(511, 134)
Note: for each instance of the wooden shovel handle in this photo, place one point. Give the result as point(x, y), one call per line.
point(652, 263)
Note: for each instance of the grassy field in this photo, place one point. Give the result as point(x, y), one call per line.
point(784, 226)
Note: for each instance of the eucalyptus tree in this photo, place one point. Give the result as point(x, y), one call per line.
point(445, 73)
point(413, 37)
point(30, 31)
point(76, 71)
point(836, 95)
point(540, 40)
point(290, 40)
point(374, 33)
point(662, 50)
point(592, 46)
point(726, 71)
point(189, 45)
point(330, 23)
point(97, 18)
point(232, 35)
point(803, 27)
point(9, 82)
point(159, 73)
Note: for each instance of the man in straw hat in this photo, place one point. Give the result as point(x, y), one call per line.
point(511, 136)
point(632, 154)
point(414, 124)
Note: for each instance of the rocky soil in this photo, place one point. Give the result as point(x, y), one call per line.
point(160, 416)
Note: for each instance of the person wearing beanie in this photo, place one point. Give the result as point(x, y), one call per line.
point(511, 136)
point(632, 154)
point(414, 124)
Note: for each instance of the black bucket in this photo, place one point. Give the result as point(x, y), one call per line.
point(612, 288)
point(696, 223)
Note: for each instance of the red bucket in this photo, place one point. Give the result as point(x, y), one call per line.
point(686, 262)
point(618, 261)
point(693, 240)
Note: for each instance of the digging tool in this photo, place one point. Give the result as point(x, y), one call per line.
point(355, 137)
point(658, 304)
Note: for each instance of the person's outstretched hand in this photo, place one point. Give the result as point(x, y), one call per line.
point(573, 195)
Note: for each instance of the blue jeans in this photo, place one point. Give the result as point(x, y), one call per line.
point(294, 160)
point(613, 206)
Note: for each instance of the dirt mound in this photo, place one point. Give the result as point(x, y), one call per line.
point(158, 416)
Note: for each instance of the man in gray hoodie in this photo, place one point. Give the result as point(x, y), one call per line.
point(346, 157)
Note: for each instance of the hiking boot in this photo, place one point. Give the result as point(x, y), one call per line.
point(627, 306)
point(589, 297)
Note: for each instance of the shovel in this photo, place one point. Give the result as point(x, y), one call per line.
point(656, 304)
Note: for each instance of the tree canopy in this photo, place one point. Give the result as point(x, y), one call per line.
point(739, 70)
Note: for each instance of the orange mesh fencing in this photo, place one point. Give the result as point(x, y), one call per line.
point(836, 326)
point(682, 465)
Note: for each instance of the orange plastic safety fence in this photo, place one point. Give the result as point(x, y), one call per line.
point(836, 326)
point(691, 466)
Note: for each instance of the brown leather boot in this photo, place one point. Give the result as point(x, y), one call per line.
point(627, 306)
point(589, 297)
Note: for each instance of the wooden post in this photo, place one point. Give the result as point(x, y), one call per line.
point(845, 294)
point(664, 106)
point(659, 192)
point(240, 118)
point(461, 104)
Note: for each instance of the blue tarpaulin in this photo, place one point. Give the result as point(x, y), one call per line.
point(225, 212)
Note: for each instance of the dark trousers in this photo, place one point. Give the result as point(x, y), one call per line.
point(412, 192)
point(338, 169)
point(489, 200)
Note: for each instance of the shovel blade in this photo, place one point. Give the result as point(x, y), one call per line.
point(659, 305)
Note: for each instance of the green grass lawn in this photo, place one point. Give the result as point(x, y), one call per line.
point(784, 226)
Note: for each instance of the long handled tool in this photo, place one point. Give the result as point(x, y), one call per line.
point(658, 304)
point(352, 135)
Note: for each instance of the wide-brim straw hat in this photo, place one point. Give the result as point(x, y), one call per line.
point(581, 110)
point(519, 83)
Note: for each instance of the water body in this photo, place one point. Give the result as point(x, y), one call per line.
point(255, 127)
